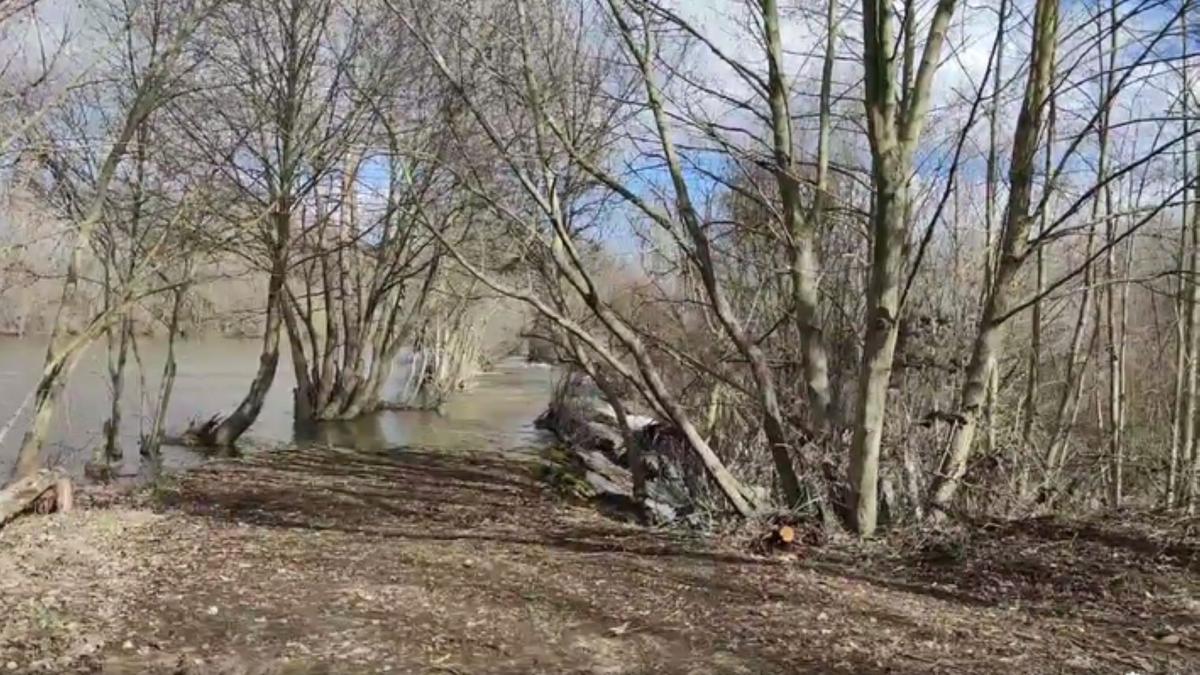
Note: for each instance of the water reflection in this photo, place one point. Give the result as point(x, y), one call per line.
point(498, 411)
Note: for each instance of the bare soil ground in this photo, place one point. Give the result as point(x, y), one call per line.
point(314, 561)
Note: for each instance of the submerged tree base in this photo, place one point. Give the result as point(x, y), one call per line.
point(198, 433)
point(332, 561)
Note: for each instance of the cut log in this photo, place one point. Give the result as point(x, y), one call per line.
point(42, 491)
point(786, 534)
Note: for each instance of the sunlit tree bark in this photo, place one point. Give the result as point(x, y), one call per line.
point(1014, 249)
point(893, 133)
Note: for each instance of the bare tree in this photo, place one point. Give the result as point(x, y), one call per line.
point(1013, 251)
point(572, 131)
point(281, 125)
point(156, 86)
point(896, 113)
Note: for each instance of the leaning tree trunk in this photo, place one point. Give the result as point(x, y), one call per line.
point(773, 423)
point(232, 427)
point(651, 386)
point(59, 363)
point(989, 337)
point(64, 350)
point(654, 387)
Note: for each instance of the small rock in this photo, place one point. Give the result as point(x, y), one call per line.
point(128, 645)
point(11, 665)
point(822, 617)
point(468, 563)
point(213, 611)
point(1170, 639)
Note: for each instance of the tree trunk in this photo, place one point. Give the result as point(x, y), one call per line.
point(1033, 370)
point(893, 134)
point(232, 427)
point(651, 385)
point(889, 173)
point(1183, 354)
point(1192, 467)
point(1121, 409)
point(993, 179)
point(883, 301)
point(774, 426)
point(804, 264)
point(59, 364)
point(63, 350)
point(650, 381)
point(989, 337)
point(1116, 416)
point(118, 355)
point(151, 445)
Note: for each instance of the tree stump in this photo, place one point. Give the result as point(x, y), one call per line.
point(43, 492)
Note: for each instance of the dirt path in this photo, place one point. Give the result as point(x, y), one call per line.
point(331, 562)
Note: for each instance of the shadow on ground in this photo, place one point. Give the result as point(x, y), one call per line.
point(319, 560)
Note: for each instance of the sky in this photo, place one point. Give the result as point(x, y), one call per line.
point(728, 24)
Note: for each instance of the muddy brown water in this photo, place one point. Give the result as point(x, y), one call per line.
point(497, 411)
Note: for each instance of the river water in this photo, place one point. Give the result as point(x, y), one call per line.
point(213, 375)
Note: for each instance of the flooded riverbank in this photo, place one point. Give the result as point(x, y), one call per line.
point(497, 411)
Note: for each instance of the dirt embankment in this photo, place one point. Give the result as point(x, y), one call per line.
point(331, 562)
